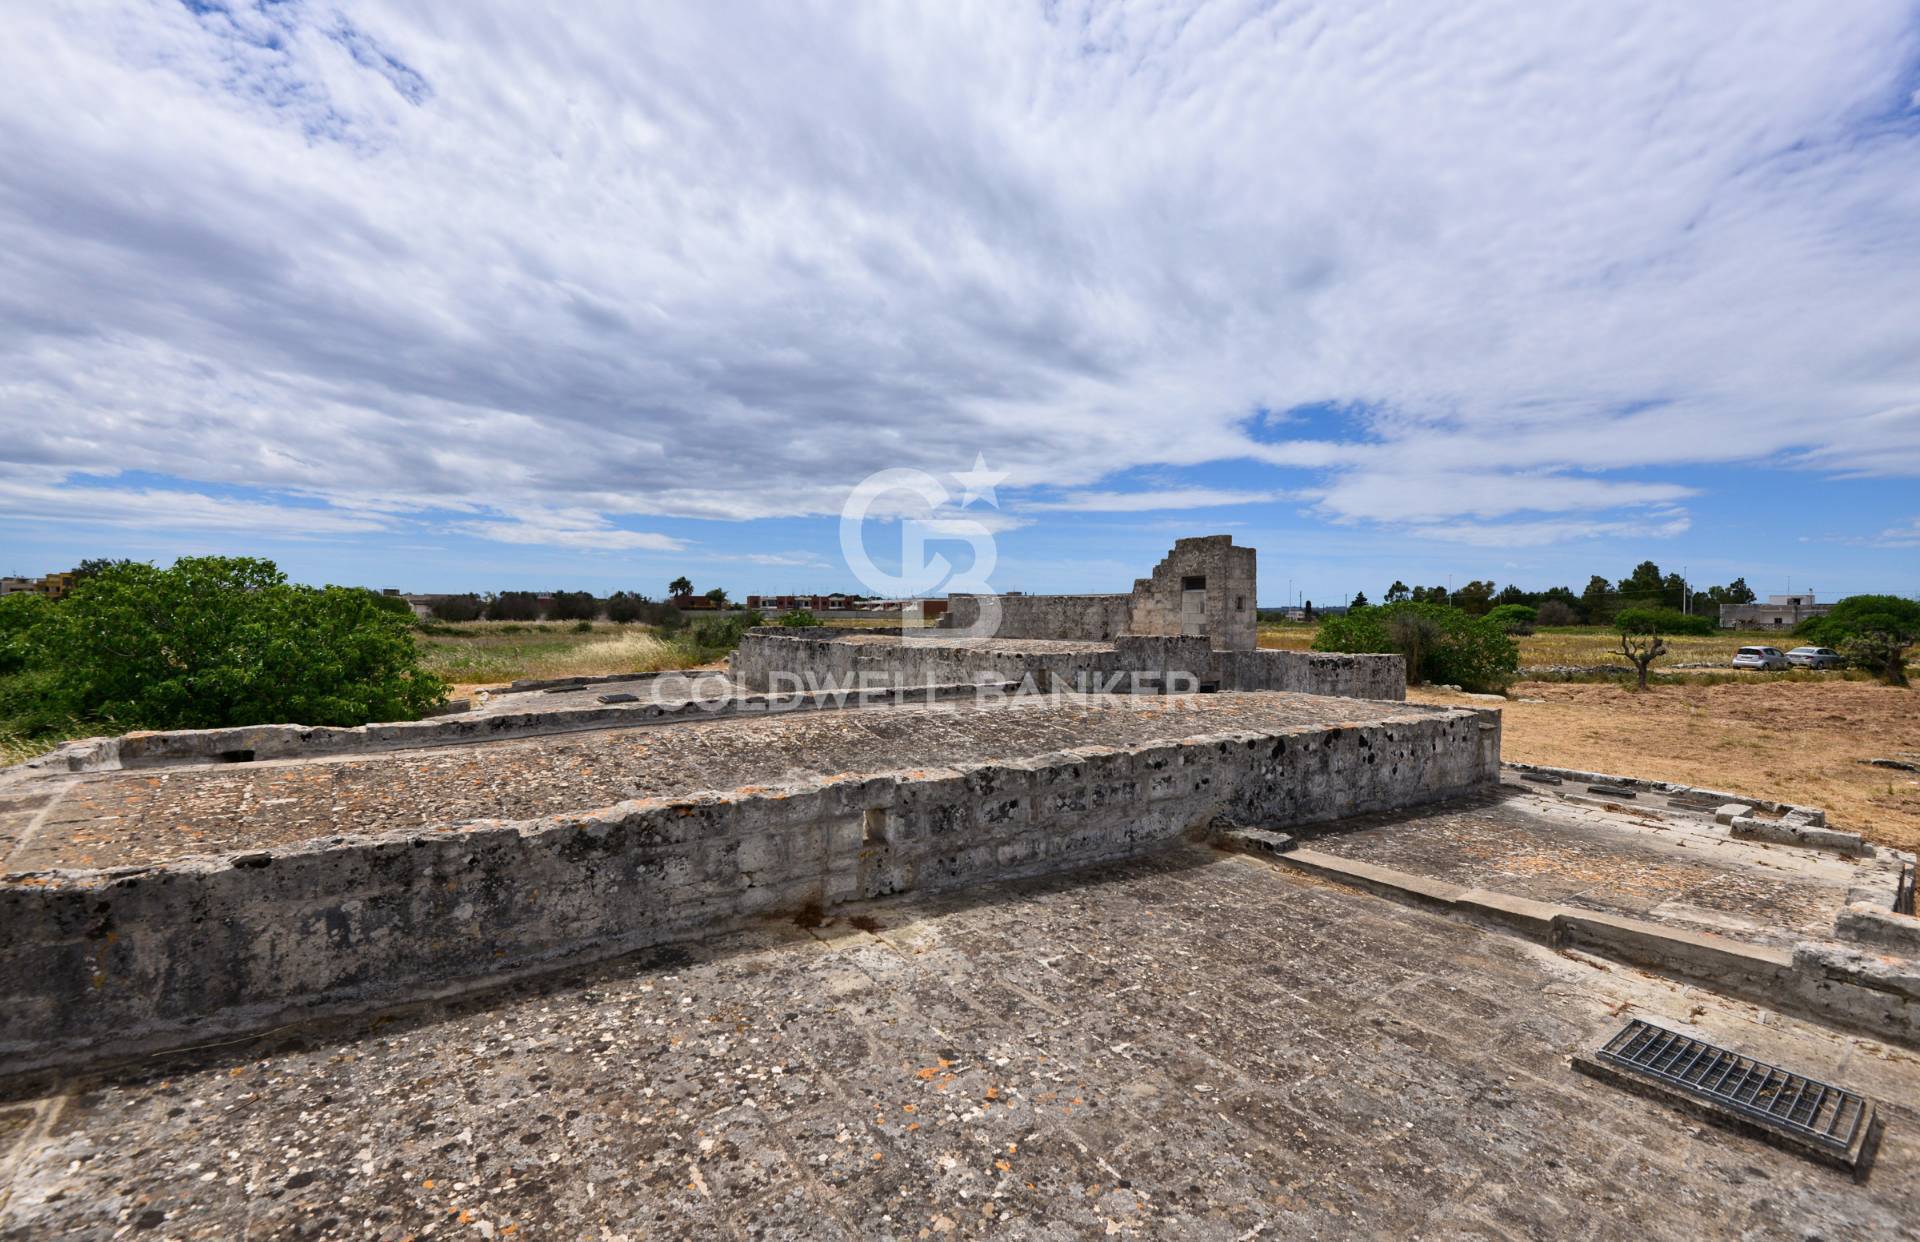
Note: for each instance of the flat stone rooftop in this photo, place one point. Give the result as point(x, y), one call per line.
point(146, 816)
point(1195, 1045)
point(1673, 869)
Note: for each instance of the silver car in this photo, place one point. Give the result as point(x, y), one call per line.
point(1814, 657)
point(1759, 657)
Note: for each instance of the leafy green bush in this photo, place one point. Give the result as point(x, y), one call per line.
point(1872, 631)
point(1514, 618)
point(1556, 612)
point(575, 606)
point(799, 617)
point(513, 606)
point(457, 608)
point(1440, 644)
point(18, 614)
point(1666, 621)
point(627, 607)
point(390, 603)
point(714, 637)
point(219, 641)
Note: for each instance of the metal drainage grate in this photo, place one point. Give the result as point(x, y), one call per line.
point(1821, 1114)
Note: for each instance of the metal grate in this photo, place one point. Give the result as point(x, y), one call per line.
point(1822, 1114)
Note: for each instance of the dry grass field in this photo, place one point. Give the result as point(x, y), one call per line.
point(477, 653)
point(1583, 646)
point(1794, 741)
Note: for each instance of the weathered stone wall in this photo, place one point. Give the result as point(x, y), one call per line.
point(1313, 672)
point(1090, 618)
point(770, 658)
point(250, 743)
point(107, 963)
point(1205, 586)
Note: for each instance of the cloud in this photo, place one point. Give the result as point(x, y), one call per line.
point(1164, 498)
point(1542, 534)
point(1412, 496)
point(1907, 536)
point(150, 508)
point(655, 262)
point(573, 528)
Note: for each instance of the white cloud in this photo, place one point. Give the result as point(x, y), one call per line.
point(680, 261)
point(1542, 534)
point(161, 508)
point(571, 528)
point(1164, 498)
point(1907, 536)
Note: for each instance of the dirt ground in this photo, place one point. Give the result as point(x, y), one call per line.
point(1791, 741)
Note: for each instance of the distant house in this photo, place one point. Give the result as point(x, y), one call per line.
point(1779, 612)
point(53, 586)
point(691, 603)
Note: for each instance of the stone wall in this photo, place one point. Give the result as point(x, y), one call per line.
point(1205, 586)
point(95, 964)
point(1088, 618)
point(770, 658)
point(774, 660)
point(1313, 672)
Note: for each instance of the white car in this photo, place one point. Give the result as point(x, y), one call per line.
point(1814, 657)
point(1759, 657)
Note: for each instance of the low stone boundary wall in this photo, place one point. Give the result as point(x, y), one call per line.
point(107, 963)
point(250, 743)
point(809, 657)
point(1314, 672)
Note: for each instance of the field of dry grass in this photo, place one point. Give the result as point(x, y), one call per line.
point(474, 653)
point(1583, 646)
point(1793, 741)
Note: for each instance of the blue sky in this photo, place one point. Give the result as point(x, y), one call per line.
point(465, 299)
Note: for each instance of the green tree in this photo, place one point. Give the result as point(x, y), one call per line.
point(1475, 598)
point(1514, 618)
point(624, 607)
point(95, 564)
point(680, 586)
point(1596, 602)
point(1644, 588)
point(1398, 592)
point(719, 597)
point(513, 606)
point(1359, 600)
point(1666, 621)
point(19, 614)
point(457, 608)
point(1872, 631)
point(1439, 644)
point(575, 606)
point(1556, 612)
point(394, 604)
point(220, 641)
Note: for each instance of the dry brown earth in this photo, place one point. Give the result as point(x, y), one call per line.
point(1791, 741)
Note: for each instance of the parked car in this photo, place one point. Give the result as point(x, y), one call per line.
point(1814, 657)
point(1759, 657)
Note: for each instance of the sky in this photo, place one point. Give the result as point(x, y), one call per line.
point(464, 296)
